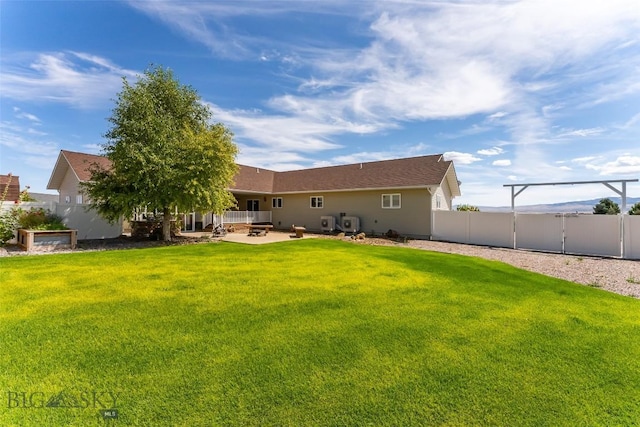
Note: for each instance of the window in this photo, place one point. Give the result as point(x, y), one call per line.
point(253, 205)
point(67, 199)
point(317, 202)
point(391, 201)
point(438, 201)
point(276, 202)
point(78, 199)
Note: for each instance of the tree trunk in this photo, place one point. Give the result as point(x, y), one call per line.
point(166, 225)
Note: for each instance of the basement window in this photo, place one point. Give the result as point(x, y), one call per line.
point(391, 201)
point(317, 202)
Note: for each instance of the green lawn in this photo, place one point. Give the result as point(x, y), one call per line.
point(312, 332)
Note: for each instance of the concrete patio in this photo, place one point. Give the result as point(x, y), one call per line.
point(243, 237)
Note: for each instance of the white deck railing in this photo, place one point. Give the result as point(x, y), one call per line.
point(237, 217)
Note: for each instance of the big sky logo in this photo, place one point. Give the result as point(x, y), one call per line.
point(63, 399)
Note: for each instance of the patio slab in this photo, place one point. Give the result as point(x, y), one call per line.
point(271, 237)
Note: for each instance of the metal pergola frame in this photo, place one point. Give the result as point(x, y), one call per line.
point(607, 183)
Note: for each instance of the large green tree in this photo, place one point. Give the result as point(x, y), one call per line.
point(635, 209)
point(606, 207)
point(165, 154)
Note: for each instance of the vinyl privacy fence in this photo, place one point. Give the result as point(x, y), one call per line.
point(89, 224)
point(603, 235)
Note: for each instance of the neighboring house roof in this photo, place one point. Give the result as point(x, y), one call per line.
point(412, 172)
point(13, 192)
point(79, 163)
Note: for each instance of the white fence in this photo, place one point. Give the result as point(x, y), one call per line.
point(604, 235)
point(89, 224)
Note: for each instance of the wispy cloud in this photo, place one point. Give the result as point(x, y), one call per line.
point(73, 78)
point(19, 114)
point(38, 152)
point(581, 132)
point(445, 60)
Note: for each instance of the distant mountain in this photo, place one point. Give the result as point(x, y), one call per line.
point(580, 206)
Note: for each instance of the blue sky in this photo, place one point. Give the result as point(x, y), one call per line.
point(512, 91)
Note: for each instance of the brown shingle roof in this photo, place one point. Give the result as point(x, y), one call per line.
point(399, 173)
point(81, 162)
point(13, 192)
point(253, 179)
point(409, 172)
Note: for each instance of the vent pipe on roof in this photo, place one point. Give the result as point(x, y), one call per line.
point(360, 165)
point(257, 170)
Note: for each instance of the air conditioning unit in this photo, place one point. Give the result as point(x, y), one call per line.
point(327, 223)
point(350, 224)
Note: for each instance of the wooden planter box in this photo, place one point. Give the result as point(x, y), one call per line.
point(47, 239)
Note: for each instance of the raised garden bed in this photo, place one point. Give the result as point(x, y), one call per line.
point(47, 239)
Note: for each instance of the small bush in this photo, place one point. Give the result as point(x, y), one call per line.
point(39, 219)
point(470, 208)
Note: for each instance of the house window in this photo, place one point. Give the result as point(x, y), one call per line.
point(67, 199)
point(276, 202)
point(78, 199)
point(317, 202)
point(438, 201)
point(391, 201)
point(253, 205)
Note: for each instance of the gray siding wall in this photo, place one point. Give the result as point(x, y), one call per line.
point(412, 219)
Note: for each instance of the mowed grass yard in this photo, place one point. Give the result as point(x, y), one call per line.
point(313, 332)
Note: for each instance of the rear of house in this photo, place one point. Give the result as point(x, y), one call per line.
point(386, 195)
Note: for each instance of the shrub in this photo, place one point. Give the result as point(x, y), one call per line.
point(39, 219)
point(468, 208)
point(635, 209)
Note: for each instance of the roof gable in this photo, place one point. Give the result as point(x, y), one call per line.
point(78, 163)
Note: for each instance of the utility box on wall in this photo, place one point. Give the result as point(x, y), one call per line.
point(350, 224)
point(327, 223)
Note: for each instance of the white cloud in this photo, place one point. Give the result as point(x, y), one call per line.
point(623, 165)
point(73, 78)
point(461, 158)
point(491, 151)
point(504, 162)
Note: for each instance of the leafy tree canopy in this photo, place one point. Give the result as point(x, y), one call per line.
point(606, 207)
point(635, 209)
point(164, 153)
